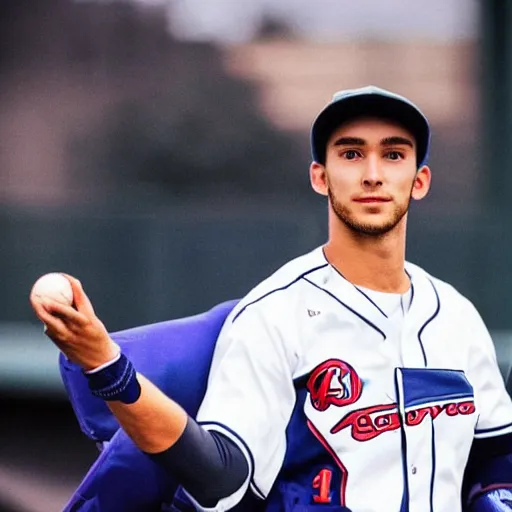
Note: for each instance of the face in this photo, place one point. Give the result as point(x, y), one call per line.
point(370, 175)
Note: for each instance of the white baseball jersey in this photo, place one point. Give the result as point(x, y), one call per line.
point(350, 400)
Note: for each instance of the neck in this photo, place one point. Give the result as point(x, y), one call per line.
point(375, 262)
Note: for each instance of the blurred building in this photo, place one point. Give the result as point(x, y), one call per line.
point(100, 99)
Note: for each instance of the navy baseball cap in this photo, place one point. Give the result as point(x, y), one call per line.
point(374, 102)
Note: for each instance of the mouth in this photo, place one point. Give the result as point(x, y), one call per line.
point(372, 200)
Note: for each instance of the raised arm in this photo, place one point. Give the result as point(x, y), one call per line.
point(152, 420)
point(208, 465)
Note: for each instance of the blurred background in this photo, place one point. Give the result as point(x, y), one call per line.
point(158, 150)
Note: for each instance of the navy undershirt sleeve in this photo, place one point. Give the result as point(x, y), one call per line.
point(206, 463)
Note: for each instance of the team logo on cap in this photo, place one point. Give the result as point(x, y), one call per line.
point(333, 382)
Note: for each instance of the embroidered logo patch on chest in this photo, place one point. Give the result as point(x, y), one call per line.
point(334, 382)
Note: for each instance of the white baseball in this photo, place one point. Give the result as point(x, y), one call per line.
point(53, 286)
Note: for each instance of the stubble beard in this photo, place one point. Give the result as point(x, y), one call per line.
point(367, 229)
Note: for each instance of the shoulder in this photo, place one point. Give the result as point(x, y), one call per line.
point(449, 296)
point(279, 289)
point(261, 321)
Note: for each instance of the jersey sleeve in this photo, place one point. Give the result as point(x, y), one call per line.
point(250, 397)
point(493, 404)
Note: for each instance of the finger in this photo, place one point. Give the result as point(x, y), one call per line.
point(67, 314)
point(54, 326)
point(82, 302)
point(37, 306)
point(56, 330)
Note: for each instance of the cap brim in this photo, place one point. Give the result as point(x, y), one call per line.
point(371, 105)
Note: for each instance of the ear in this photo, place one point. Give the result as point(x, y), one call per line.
point(318, 178)
point(421, 184)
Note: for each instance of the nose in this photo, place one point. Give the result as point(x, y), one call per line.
point(372, 176)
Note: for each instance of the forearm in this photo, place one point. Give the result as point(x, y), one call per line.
point(154, 422)
point(208, 465)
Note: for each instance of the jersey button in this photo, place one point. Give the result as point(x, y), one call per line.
point(413, 470)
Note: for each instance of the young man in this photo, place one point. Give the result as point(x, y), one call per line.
point(348, 380)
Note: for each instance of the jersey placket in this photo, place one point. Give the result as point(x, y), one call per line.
point(418, 436)
point(417, 460)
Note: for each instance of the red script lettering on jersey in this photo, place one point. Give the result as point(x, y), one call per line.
point(373, 421)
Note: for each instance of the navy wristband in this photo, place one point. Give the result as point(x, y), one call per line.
point(116, 382)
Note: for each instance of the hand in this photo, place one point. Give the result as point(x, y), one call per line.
point(76, 331)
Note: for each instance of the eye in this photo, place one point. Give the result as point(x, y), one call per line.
point(351, 154)
point(394, 155)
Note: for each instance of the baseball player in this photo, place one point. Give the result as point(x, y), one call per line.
point(350, 379)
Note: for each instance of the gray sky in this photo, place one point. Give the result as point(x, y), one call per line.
point(233, 21)
point(325, 20)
